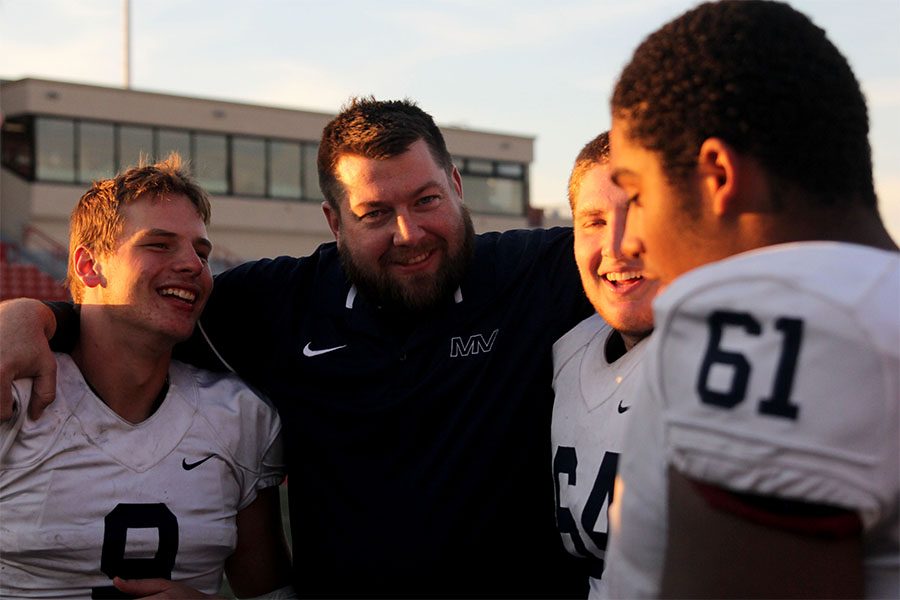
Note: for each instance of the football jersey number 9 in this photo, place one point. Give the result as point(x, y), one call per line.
point(113, 562)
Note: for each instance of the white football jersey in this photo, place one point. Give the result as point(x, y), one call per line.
point(594, 400)
point(85, 495)
point(774, 372)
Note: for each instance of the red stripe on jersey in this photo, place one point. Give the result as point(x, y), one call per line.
point(806, 518)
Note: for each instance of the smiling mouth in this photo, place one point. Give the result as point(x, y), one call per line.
point(626, 277)
point(179, 294)
point(412, 259)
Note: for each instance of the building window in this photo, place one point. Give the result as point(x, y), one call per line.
point(135, 144)
point(284, 170)
point(495, 187)
point(17, 147)
point(55, 141)
point(170, 140)
point(66, 150)
point(311, 189)
point(211, 162)
point(248, 166)
point(479, 167)
point(515, 170)
point(506, 196)
point(96, 151)
point(494, 195)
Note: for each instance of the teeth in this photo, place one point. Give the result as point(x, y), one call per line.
point(415, 259)
point(178, 293)
point(624, 276)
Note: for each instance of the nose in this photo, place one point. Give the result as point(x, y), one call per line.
point(188, 261)
point(614, 240)
point(631, 244)
point(407, 231)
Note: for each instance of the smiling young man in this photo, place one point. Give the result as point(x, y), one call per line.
point(762, 460)
point(593, 363)
point(410, 361)
point(145, 475)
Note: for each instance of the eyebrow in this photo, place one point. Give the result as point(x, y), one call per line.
point(589, 212)
point(421, 189)
point(201, 241)
point(417, 192)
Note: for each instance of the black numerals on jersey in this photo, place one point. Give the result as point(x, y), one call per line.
point(779, 403)
point(113, 561)
point(565, 463)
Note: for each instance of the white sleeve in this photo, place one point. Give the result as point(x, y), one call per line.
point(260, 449)
point(271, 462)
point(246, 427)
point(9, 429)
point(795, 401)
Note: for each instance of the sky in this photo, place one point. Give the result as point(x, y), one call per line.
point(538, 68)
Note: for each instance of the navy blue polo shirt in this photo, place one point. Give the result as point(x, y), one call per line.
point(418, 448)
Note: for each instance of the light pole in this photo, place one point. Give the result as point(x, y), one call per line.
point(126, 32)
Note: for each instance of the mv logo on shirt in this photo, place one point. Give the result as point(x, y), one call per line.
point(475, 344)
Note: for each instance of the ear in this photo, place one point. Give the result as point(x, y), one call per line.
point(719, 168)
point(456, 181)
point(87, 268)
point(333, 216)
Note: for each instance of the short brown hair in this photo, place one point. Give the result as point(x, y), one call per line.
point(765, 79)
point(595, 152)
point(96, 220)
point(377, 129)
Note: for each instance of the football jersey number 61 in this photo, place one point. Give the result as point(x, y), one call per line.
point(779, 403)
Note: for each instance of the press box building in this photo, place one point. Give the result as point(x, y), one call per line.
point(257, 162)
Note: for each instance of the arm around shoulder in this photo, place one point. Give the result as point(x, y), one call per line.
point(27, 325)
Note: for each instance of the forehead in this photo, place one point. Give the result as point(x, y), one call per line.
point(174, 211)
point(369, 180)
point(629, 161)
point(617, 142)
point(596, 191)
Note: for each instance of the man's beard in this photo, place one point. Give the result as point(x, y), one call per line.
point(422, 292)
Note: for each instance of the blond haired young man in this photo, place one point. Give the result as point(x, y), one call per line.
point(146, 474)
point(593, 363)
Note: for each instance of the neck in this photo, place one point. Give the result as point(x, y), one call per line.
point(616, 346)
point(630, 340)
point(858, 226)
point(126, 372)
point(853, 225)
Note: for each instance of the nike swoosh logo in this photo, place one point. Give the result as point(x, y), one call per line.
point(621, 408)
point(307, 351)
point(188, 466)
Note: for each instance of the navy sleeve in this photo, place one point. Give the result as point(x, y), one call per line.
point(249, 307)
point(68, 326)
point(68, 329)
point(543, 259)
point(567, 296)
